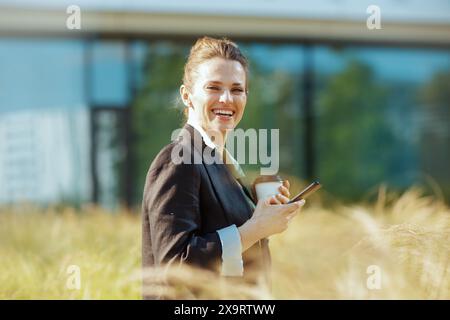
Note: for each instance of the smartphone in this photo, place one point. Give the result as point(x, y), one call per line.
point(308, 190)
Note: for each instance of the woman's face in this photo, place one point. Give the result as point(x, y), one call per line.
point(218, 95)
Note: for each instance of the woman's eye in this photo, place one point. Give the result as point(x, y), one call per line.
point(238, 90)
point(212, 88)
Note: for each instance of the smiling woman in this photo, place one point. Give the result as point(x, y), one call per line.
point(202, 214)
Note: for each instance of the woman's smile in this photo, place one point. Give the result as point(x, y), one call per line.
point(223, 114)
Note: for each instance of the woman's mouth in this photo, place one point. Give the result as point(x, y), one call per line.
point(224, 114)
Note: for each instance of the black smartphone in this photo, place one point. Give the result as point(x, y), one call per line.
point(308, 190)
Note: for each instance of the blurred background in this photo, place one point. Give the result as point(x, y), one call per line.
point(84, 112)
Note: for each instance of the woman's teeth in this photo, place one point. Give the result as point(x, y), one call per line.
point(227, 113)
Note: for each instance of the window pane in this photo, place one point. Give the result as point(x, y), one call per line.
point(41, 73)
point(109, 74)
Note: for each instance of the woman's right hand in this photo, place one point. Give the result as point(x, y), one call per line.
point(268, 219)
point(274, 218)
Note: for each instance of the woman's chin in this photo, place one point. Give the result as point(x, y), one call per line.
point(225, 128)
point(222, 127)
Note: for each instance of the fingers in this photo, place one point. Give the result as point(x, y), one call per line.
point(278, 199)
point(290, 216)
point(293, 207)
point(282, 199)
point(283, 203)
point(269, 201)
point(284, 191)
point(274, 200)
point(284, 195)
point(266, 202)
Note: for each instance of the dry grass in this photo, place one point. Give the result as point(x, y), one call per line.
point(36, 249)
point(325, 254)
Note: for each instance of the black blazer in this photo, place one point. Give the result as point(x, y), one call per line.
point(185, 204)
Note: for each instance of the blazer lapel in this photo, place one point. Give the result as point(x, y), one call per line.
point(231, 198)
point(246, 190)
point(228, 192)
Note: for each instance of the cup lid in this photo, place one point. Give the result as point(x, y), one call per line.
point(268, 178)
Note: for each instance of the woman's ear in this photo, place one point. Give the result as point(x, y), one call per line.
point(184, 93)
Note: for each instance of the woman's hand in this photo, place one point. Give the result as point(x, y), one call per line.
point(267, 219)
point(283, 196)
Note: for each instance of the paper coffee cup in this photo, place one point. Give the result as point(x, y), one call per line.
point(266, 186)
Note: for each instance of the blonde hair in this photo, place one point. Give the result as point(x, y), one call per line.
point(208, 48)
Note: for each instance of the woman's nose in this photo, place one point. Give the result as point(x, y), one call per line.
point(226, 96)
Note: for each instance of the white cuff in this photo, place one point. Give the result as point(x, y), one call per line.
point(232, 264)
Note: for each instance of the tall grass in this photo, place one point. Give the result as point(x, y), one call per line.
point(325, 254)
point(36, 249)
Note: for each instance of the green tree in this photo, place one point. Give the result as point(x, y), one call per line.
point(435, 137)
point(355, 144)
point(155, 112)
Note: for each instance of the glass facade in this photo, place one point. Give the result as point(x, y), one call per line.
point(108, 74)
point(275, 100)
point(81, 120)
point(44, 122)
point(382, 115)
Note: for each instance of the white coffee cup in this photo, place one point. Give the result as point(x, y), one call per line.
point(267, 186)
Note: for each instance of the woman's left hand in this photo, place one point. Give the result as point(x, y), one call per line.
point(283, 196)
